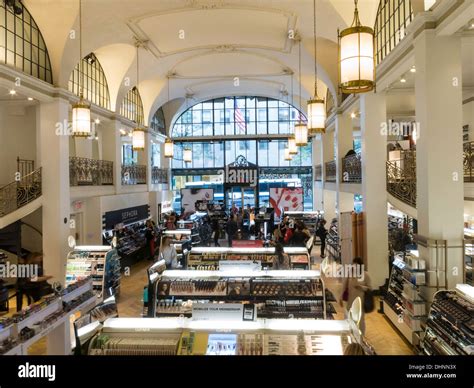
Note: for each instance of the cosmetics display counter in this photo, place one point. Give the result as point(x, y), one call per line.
point(182, 336)
point(332, 241)
point(131, 242)
point(276, 294)
point(182, 241)
point(208, 258)
point(99, 262)
point(47, 317)
point(450, 324)
point(403, 304)
point(310, 219)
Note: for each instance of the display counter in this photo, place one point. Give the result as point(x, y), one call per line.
point(208, 258)
point(182, 336)
point(275, 294)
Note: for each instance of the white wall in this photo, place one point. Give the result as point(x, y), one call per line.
point(30, 239)
point(17, 134)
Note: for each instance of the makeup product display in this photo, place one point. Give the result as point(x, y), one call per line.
point(183, 336)
point(403, 304)
point(277, 294)
point(310, 218)
point(333, 245)
point(450, 324)
point(99, 262)
point(207, 258)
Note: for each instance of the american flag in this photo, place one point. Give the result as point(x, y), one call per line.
point(239, 119)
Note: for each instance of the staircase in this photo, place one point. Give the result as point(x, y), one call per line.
point(19, 198)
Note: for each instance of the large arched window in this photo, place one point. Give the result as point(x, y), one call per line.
point(95, 88)
point(393, 18)
point(221, 130)
point(237, 116)
point(132, 106)
point(21, 43)
point(157, 122)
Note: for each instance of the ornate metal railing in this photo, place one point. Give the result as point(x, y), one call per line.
point(133, 174)
point(90, 172)
point(330, 171)
point(18, 194)
point(401, 178)
point(468, 161)
point(159, 175)
point(318, 173)
point(351, 169)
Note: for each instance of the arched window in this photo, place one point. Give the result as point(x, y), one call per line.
point(132, 106)
point(157, 123)
point(95, 88)
point(237, 116)
point(21, 43)
point(393, 18)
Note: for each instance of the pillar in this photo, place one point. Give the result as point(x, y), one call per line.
point(55, 186)
point(373, 115)
point(440, 192)
point(329, 196)
point(112, 149)
point(318, 191)
point(343, 142)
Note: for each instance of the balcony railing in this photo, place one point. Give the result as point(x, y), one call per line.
point(401, 178)
point(18, 194)
point(351, 169)
point(90, 172)
point(133, 174)
point(468, 161)
point(331, 171)
point(159, 175)
point(318, 173)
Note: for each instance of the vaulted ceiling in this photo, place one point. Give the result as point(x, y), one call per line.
point(201, 46)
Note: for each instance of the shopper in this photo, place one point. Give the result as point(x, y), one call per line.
point(355, 286)
point(150, 238)
point(252, 221)
point(281, 259)
point(168, 253)
point(299, 238)
point(33, 288)
point(231, 229)
point(288, 234)
point(322, 232)
point(216, 231)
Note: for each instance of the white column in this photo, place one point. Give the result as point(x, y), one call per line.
point(329, 196)
point(373, 115)
point(343, 143)
point(440, 195)
point(112, 150)
point(318, 191)
point(55, 183)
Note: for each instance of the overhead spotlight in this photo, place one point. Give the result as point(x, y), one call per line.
point(403, 80)
point(353, 115)
point(97, 121)
point(97, 138)
point(123, 132)
point(413, 69)
point(12, 92)
point(130, 134)
point(30, 98)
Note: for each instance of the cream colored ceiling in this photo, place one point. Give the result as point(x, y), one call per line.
point(223, 39)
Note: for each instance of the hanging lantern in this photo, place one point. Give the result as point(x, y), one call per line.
point(288, 156)
point(301, 134)
point(316, 106)
point(188, 155)
point(316, 115)
point(81, 119)
point(138, 139)
point(293, 149)
point(169, 148)
point(356, 57)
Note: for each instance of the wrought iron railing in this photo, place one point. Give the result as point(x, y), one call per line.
point(468, 161)
point(90, 172)
point(351, 169)
point(159, 175)
point(330, 171)
point(133, 174)
point(318, 173)
point(18, 194)
point(401, 178)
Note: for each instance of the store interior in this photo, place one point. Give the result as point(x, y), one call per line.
point(229, 177)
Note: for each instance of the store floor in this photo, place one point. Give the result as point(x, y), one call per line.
point(379, 331)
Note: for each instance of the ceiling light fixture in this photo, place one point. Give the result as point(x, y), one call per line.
point(81, 111)
point(403, 80)
point(138, 134)
point(12, 92)
point(288, 156)
point(301, 130)
point(353, 115)
point(316, 106)
point(292, 145)
point(413, 69)
point(187, 155)
point(356, 57)
point(30, 98)
point(123, 132)
point(97, 121)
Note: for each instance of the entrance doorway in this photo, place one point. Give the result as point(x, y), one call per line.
point(240, 197)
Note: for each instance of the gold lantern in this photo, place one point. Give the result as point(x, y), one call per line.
point(138, 139)
point(169, 148)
